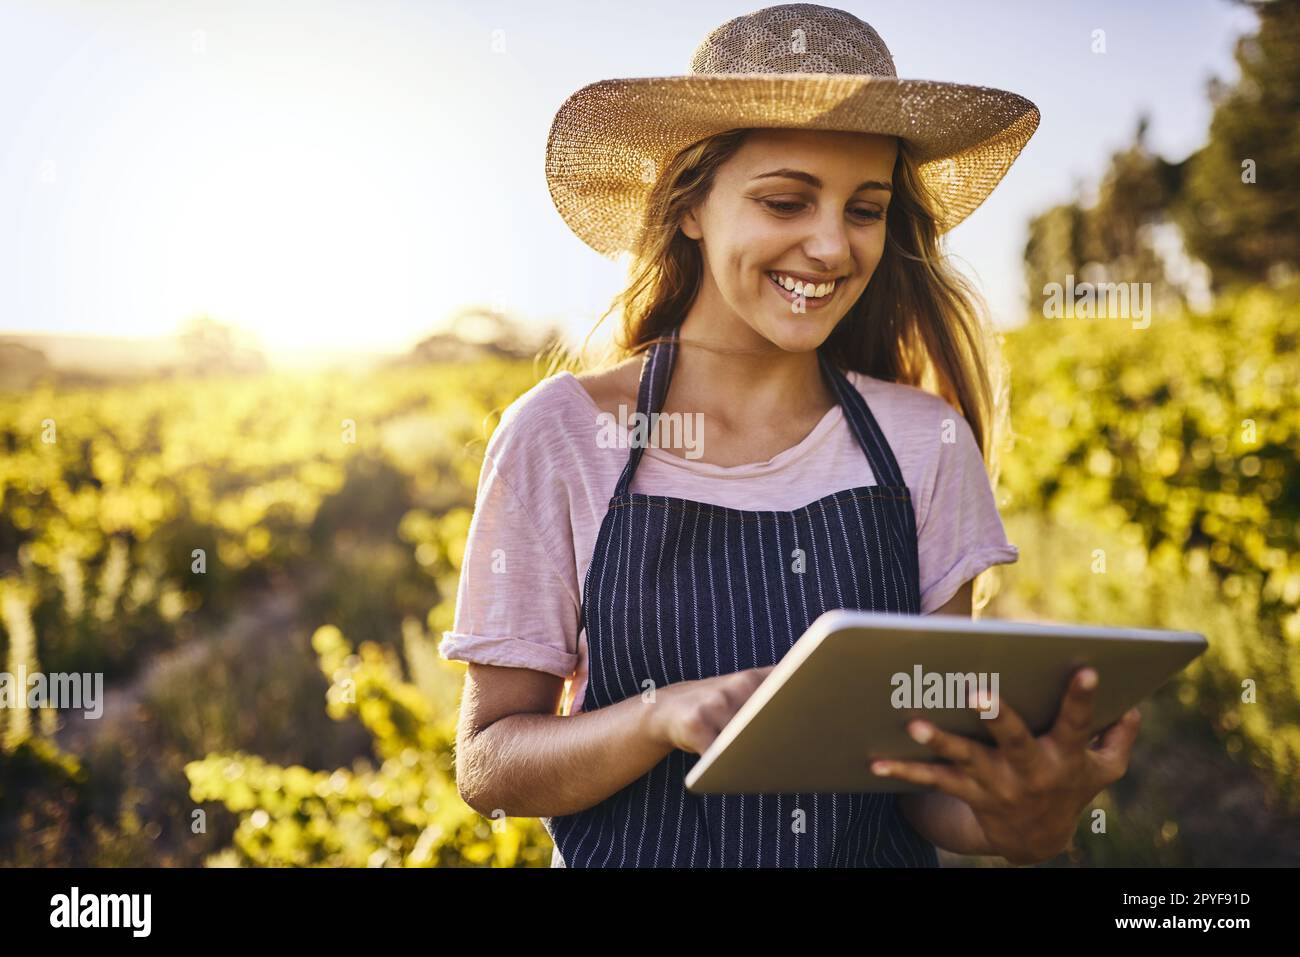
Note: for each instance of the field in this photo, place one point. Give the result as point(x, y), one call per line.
point(261, 568)
point(261, 565)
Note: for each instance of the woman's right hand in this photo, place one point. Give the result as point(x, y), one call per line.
point(690, 714)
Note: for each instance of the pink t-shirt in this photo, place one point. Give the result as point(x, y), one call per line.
point(547, 481)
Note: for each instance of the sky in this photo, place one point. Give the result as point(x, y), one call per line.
point(345, 175)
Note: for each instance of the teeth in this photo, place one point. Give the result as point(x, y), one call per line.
point(801, 288)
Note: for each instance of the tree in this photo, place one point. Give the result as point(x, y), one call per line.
point(1240, 210)
point(1124, 236)
point(217, 347)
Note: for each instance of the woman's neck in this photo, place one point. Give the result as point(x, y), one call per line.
point(763, 384)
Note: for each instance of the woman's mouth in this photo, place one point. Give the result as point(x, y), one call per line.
point(792, 290)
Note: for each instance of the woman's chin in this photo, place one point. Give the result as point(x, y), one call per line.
point(798, 332)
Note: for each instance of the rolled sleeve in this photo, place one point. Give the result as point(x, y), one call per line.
point(970, 565)
point(507, 652)
point(512, 606)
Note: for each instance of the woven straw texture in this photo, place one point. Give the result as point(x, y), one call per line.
point(797, 65)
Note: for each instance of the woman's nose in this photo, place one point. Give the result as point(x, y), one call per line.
point(828, 242)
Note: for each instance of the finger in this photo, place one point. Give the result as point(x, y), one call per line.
point(1070, 730)
point(1110, 758)
point(703, 730)
point(1132, 719)
point(1014, 739)
point(1099, 736)
point(715, 711)
point(738, 686)
point(972, 756)
point(948, 779)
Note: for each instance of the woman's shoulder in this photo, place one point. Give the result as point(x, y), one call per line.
point(905, 407)
point(565, 392)
point(525, 421)
point(613, 386)
point(558, 416)
point(927, 435)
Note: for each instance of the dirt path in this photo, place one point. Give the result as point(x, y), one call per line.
point(270, 610)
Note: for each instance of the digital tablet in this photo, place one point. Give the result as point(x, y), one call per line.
point(846, 690)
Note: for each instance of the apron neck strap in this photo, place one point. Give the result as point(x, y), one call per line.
point(865, 427)
point(657, 370)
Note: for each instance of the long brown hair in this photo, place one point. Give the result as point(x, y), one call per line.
point(919, 321)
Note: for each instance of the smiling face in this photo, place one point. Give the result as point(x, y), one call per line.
point(801, 204)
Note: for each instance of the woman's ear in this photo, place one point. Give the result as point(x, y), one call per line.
point(691, 226)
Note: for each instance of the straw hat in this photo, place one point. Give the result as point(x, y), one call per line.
point(797, 65)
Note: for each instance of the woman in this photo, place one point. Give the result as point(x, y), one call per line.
point(787, 292)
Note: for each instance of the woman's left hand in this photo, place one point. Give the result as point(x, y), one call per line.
point(1026, 793)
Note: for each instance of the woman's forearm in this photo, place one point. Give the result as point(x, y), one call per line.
point(944, 821)
point(544, 765)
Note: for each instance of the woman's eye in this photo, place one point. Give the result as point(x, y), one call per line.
point(862, 212)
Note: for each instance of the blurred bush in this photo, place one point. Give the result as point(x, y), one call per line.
point(405, 812)
point(321, 498)
point(1155, 481)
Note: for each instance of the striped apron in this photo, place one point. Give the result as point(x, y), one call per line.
point(679, 590)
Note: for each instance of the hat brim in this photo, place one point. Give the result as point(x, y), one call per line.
point(610, 140)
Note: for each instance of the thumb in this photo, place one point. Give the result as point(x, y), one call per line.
point(1112, 752)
